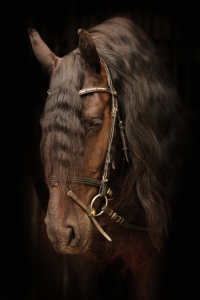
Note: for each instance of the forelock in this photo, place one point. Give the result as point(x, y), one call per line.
point(62, 127)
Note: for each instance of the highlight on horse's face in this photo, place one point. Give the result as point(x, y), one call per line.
point(68, 227)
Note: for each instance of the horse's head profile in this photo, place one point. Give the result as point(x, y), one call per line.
point(76, 130)
point(110, 128)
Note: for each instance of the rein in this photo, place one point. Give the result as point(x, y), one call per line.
point(104, 190)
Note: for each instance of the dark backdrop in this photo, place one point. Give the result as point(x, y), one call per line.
point(174, 27)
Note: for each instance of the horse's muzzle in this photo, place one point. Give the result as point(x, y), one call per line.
point(69, 238)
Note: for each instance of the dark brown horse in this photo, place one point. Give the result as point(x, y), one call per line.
point(111, 131)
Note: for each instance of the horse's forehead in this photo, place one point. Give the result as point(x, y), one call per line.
point(95, 104)
point(90, 80)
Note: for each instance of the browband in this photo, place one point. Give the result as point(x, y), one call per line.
point(97, 89)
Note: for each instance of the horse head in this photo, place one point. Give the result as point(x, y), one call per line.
point(76, 132)
point(79, 136)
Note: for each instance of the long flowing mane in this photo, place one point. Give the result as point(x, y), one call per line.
point(151, 111)
point(152, 114)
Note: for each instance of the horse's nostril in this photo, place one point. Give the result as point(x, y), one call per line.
point(73, 239)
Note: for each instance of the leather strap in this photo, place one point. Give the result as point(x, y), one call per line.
point(120, 220)
point(111, 145)
point(97, 89)
point(89, 213)
point(109, 212)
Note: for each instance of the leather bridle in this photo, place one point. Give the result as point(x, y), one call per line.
point(104, 190)
point(115, 117)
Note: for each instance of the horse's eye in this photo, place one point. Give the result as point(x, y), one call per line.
point(94, 123)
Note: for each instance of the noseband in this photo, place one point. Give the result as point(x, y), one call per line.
point(104, 190)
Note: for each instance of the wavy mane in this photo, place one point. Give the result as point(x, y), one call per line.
point(152, 113)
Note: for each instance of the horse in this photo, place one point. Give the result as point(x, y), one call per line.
point(112, 127)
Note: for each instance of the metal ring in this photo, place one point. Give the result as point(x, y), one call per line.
point(93, 211)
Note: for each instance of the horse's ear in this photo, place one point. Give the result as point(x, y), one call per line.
point(44, 55)
point(88, 51)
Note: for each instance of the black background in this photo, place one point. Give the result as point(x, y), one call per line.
point(174, 27)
